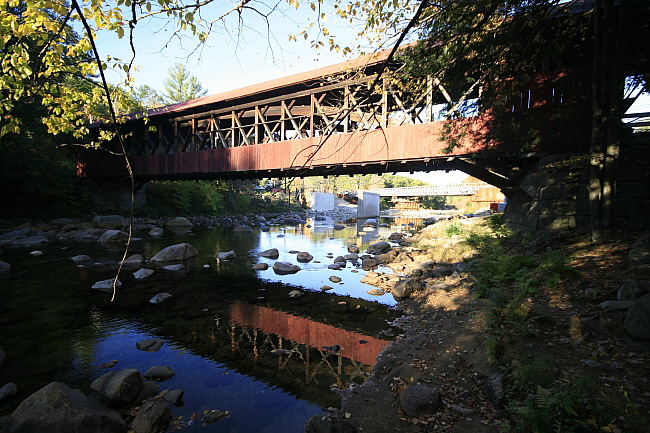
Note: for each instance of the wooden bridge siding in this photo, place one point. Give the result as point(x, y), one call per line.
point(308, 332)
point(392, 144)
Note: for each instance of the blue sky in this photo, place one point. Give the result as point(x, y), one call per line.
point(235, 55)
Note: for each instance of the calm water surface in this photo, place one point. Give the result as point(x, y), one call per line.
point(219, 327)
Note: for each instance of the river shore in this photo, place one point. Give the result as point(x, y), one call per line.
point(574, 339)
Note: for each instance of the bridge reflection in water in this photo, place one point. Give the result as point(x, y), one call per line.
point(306, 342)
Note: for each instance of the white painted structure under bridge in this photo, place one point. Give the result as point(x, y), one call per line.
point(431, 190)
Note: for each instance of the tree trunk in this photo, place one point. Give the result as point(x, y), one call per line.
point(608, 84)
point(595, 148)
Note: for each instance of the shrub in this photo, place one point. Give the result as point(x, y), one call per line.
point(453, 228)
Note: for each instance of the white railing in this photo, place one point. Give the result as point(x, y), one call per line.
point(419, 191)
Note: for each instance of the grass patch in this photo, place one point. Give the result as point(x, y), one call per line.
point(545, 393)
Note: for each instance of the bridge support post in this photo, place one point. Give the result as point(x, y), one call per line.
point(322, 201)
point(368, 205)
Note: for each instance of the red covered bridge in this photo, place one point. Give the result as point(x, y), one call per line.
point(341, 119)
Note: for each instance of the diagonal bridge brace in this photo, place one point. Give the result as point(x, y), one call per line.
point(505, 175)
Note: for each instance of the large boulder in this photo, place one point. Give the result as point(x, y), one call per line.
point(154, 416)
point(56, 408)
point(495, 390)
point(175, 252)
point(639, 256)
point(243, 229)
point(405, 288)
point(420, 400)
point(108, 221)
point(637, 321)
point(113, 236)
point(4, 266)
point(178, 222)
point(272, 253)
point(442, 271)
point(630, 290)
point(7, 391)
point(30, 241)
point(328, 424)
point(378, 248)
point(388, 257)
point(120, 388)
point(283, 268)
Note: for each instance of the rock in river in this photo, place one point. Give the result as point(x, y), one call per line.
point(113, 236)
point(4, 266)
point(272, 253)
point(56, 408)
point(150, 345)
point(143, 273)
point(8, 391)
point(80, 258)
point(283, 268)
point(108, 221)
point(160, 297)
point(159, 372)
point(226, 255)
point(135, 259)
point(304, 257)
point(30, 241)
point(154, 416)
point(175, 252)
point(174, 397)
point(178, 222)
point(120, 387)
point(378, 248)
point(106, 285)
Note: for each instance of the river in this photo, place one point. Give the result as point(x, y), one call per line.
point(220, 326)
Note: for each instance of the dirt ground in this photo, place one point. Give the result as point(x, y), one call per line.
point(442, 344)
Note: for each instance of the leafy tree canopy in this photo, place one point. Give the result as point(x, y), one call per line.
point(43, 60)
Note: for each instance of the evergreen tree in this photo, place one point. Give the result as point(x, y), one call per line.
point(181, 86)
